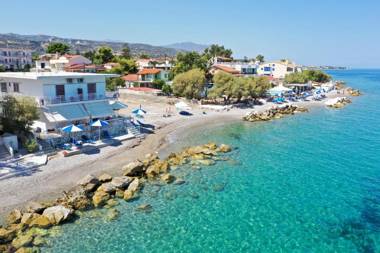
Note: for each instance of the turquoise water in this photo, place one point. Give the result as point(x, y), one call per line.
point(308, 183)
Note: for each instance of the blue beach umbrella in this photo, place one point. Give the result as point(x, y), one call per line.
point(71, 129)
point(100, 123)
point(139, 112)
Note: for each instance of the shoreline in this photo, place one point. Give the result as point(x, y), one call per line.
point(48, 182)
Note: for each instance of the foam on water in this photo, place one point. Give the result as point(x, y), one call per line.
point(308, 183)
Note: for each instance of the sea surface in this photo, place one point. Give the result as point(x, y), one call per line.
point(307, 183)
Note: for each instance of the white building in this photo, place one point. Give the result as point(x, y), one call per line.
point(63, 97)
point(277, 69)
point(54, 62)
point(15, 58)
point(162, 64)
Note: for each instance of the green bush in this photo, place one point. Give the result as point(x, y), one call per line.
point(31, 145)
point(167, 89)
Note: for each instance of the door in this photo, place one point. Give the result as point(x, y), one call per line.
point(80, 93)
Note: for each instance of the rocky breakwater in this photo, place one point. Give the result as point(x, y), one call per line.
point(354, 92)
point(338, 103)
point(26, 230)
point(274, 113)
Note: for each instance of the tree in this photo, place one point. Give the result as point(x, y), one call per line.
point(224, 84)
point(215, 50)
point(58, 47)
point(306, 76)
point(89, 55)
point(189, 84)
point(113, 83)
point(158, 84)
point(126, 52)
point(260, 58)
point(103, 55)
point(167, 89)
point(187, 61)
point(125, 66)
point(18, 114)
point(2, 68)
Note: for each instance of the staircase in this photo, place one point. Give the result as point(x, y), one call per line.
point(134, 130)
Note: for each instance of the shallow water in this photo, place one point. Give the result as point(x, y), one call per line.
point(308, 183)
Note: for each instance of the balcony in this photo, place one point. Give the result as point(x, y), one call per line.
point(72, 99)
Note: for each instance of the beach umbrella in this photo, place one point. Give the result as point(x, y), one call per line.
point(139, 112)
point(71, 129)
point(100, 123)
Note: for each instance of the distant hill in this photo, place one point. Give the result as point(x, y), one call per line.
point(188, 46)
point(39, 43)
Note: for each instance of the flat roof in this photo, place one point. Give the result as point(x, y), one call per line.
point(42, 75)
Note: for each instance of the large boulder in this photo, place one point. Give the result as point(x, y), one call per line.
point(107, 187)
point(134, 169)
point(89, 182)
point(7, 234)
point(14, 216)
point(22, 241)
point(41, 222)
point(78, 199)
point(105, 178)
point(57, 214)
point(35, 207)
point(121, 182)
point(100, 198)
point(157, 168)
point(129, 195)
point(27, 218)
point(134, 186)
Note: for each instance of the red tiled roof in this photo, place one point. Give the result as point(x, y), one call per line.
point(227, 69)
point(148, 72)
point(131, 78)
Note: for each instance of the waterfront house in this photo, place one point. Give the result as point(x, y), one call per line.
point(55, 62)
point(146, 77)
point(63, 98)
point(15, 58)
point(131, 80)
point(158, 63)
point(277, 69)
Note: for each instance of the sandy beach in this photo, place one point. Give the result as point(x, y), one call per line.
point(62, 173)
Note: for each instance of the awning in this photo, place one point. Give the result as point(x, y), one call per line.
point(99, 109)
point(65, 112)
point(117, 105)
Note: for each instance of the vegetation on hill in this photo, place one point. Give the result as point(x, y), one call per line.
point(306, 76)
point(60, 48)
point(231, 87)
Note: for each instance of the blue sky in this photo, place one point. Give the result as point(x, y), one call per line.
point(309, 32)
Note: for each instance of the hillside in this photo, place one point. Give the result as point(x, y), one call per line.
point(39, 43)
point(188, 46)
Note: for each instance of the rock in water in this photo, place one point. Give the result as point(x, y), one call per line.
point(57, 214)
point(134, 186)
point(224, 148)
point(7, 235)
point(144, 207)
point(179, 181)
point(22, 241)
point(100, 198)
point(167, 178)
point(129, 195)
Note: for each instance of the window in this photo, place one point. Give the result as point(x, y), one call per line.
point(69, 80)
point(80, 80)
point(60, 90)
point(3, 87)
point(16, 87)
point(42, 65)
point(91, 87)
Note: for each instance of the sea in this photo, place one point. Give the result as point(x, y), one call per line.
point(304, 183)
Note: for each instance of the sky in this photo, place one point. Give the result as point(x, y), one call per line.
point(310, 32)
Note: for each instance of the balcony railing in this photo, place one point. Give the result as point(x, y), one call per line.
point(71, 99)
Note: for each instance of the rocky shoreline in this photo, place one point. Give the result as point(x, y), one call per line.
point(27, 229)
point(274, 113)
